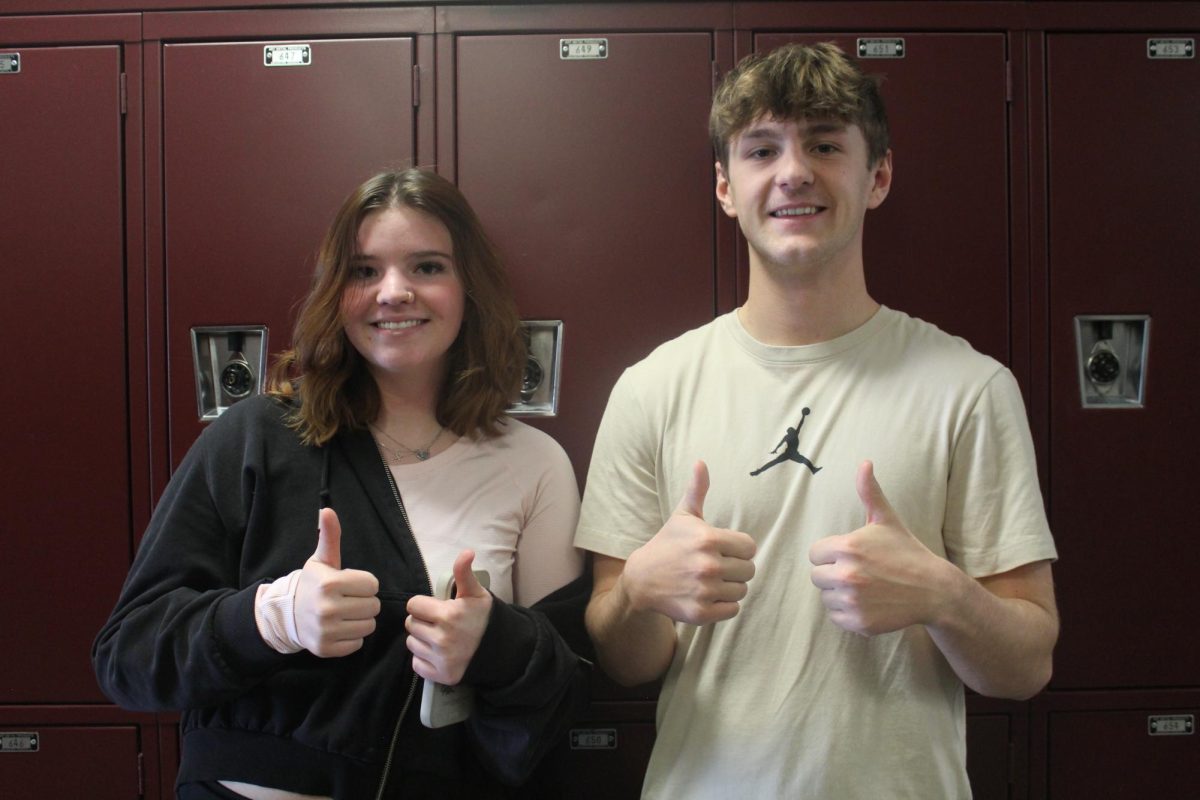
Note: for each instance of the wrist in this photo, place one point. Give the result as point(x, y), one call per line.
point(950, 586)
point(626, 599)
point(275, 614)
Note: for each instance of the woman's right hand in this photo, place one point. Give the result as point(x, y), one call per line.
point(335, 608)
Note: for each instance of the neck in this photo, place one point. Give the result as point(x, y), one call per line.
point(786, 308)
point(408, 406)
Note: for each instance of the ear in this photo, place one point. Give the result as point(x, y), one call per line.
point(883, 181)
point(725, 192)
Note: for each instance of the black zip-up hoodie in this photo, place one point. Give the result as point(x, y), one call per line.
point(242, 510)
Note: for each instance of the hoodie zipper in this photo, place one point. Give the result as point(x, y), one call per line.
point(412, 687)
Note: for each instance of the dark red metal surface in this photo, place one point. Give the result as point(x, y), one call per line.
point(1123, 240)
point(1110, 753)
point(62, 317)
point(93, 761)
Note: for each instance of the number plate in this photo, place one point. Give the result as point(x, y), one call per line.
point(881, 48)
point(287, 55)
point(1172, 725)
point(23, 742)
point(594, 739)
point(1170, 48)
point(582, 49)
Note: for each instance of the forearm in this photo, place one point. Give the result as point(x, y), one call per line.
point(633, 646)
point(999, 640)
point(184, 650)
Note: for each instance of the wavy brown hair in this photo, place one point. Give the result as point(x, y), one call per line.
point(327, 380)
point(798, 81)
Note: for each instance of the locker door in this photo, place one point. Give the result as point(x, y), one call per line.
point(97, 762)
point(595, 179)
point(601, 757)
point(989, 756)
point(1124, 194)
point(257, 159)
point(66, 462)
point(1114, 753)
point(938, 247)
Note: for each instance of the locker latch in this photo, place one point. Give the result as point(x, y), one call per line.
point(1112, 359)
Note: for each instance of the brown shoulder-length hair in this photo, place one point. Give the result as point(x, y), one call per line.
point(325, 377)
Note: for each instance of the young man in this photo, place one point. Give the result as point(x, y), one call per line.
point(897, 543)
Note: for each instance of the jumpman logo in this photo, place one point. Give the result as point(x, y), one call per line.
point(792, 451)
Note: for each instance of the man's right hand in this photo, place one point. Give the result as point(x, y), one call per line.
point(335, 608)
point(690, 571)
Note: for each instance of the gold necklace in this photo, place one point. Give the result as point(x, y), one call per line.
point(422, 453)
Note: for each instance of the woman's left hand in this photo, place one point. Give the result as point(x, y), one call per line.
point(443, 635)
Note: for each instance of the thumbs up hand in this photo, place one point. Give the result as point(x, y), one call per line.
point(443, 635)
point(878, 578)
point(690, 571)
point(335, 608)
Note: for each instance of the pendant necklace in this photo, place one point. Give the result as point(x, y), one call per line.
point(422, 453)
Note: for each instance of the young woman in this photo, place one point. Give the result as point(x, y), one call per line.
point(283, 595)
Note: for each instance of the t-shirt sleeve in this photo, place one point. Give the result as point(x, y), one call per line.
point(621, 502)
point(995, 517)
point(546, 558)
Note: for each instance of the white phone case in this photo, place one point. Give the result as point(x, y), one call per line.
point(445, 705)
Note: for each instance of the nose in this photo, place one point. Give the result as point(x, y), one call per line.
point(794, 169)
point(394, 288)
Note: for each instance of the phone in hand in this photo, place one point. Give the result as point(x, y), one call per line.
point(443, 705)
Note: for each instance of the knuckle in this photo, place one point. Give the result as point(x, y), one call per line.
point(706, 569)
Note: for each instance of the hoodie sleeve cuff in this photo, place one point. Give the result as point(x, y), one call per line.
point(506, 649)
point(237, 639)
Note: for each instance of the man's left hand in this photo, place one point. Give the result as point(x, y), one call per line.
point(878, 578)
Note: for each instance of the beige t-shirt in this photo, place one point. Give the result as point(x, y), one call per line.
point(779, 702)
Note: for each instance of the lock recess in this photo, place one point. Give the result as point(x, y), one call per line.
point(229, 362)
point(1111, 355)
point(538, 395)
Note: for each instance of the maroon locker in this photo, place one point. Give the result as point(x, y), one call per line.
point(595, 179)
point(1123, 238)
point(1124, 753)
point(99, 762)
point(257, 159)
point(601, 757)
point(938, 247)
point(66, 464)
point(990, 756)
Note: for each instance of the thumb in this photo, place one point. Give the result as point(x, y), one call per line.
point(876, 504)
point(465, 582)
point(329, 539)
point(693, 498)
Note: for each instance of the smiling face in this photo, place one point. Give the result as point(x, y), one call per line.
point(402, 306)
point(800, 190)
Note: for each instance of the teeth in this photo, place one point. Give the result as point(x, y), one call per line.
point(395, 326)
point(807, 211)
